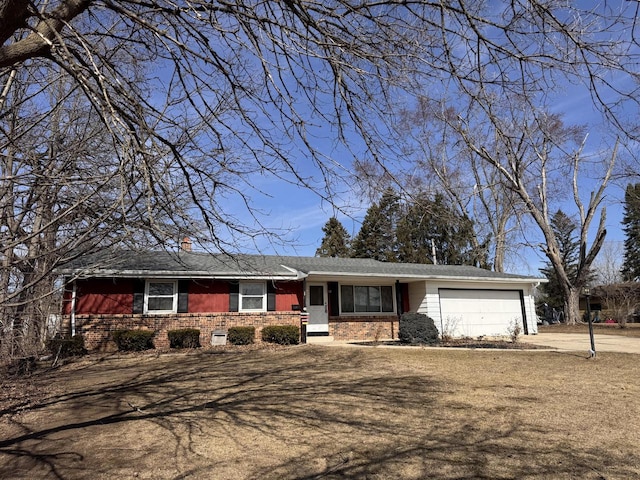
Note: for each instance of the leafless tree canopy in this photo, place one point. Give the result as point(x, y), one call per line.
point(493, 132)
point(124, 120)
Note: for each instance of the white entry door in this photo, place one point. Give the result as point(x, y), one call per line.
point(317, 309)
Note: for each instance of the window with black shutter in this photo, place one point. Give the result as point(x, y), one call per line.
point(234, 294)
point(183, 296)
point(138, 296)
point(271, 297)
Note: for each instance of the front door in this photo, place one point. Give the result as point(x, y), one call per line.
point(317, 309)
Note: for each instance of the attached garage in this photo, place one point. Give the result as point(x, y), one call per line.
point(475, 312)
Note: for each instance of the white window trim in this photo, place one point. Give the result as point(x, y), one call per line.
point(174, 308)
point(369, 314)
point(264, 297)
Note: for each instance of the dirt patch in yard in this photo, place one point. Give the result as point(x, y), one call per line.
point(311, 412)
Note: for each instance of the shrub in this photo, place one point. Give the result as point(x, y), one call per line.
point(241, 335)
point(417, 328)
point(63, 347)
point(281, 334)
point(514, 331)
point(21, 367)
point(184, 338)
point(133, 340)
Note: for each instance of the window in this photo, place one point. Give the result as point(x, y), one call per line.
point(161, 297)
point(366, 299)
point(253, 297)
point(316, 295)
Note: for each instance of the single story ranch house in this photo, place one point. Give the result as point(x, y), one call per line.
point(343, 298)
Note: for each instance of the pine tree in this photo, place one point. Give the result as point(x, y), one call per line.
point(377, 236)
point(569, 248)
point(631, 265)
point(429, 220)
point(336, 240)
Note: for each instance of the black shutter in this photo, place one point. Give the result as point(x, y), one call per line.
point(334, 307)
point(234, 293)
point(183, 296)
point(138, 296)
point(400, 297)
point(271, 297)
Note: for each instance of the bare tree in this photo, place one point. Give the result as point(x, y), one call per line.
point(62, 195)
point(130, 122)
point(440, 163)
point(534, 162)
point(608, 264)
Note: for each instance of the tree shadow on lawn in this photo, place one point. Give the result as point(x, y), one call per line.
point(303, 412)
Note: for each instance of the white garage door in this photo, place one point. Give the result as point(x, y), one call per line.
point(473, 313)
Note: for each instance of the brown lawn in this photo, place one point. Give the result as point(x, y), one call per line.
point(311, 412)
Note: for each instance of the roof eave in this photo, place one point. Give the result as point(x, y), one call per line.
point(89, 273)
point(430, 277)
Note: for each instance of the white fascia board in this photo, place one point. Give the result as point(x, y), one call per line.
point(490, 280)
point(446, 278)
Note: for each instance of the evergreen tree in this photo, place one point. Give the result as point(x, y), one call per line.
point(377, 236)
point(336, 240)
point(631, 221)
point(429, 220)
point(569, 248)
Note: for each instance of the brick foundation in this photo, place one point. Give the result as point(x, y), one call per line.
point(364, 328)
point(97, 329)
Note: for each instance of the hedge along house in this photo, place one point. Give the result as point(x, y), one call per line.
point(344, 298)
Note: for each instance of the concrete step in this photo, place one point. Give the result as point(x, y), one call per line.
point(325, 339)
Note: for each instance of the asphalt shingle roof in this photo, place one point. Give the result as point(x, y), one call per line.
point(197, 264)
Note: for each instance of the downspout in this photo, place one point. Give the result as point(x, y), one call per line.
point(74, 292)
point(304, 294)
point(534, 320)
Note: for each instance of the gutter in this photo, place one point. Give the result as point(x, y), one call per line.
point(529, 280)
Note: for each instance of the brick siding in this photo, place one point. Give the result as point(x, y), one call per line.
point(364, 328)
point(97, 329)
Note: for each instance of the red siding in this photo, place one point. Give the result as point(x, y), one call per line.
point(208, 296)
point(103, 296)
point(287, 295)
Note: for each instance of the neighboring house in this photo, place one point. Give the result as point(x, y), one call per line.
point(619, 302)
point(345, 298)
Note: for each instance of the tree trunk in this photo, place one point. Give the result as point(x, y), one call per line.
point(572, 305)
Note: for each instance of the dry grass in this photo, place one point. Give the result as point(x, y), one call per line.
point(312, 412)
point(629, 330)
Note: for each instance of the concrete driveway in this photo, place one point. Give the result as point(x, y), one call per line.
point(581, 342)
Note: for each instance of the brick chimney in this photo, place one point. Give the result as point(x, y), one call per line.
point(185, 245)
